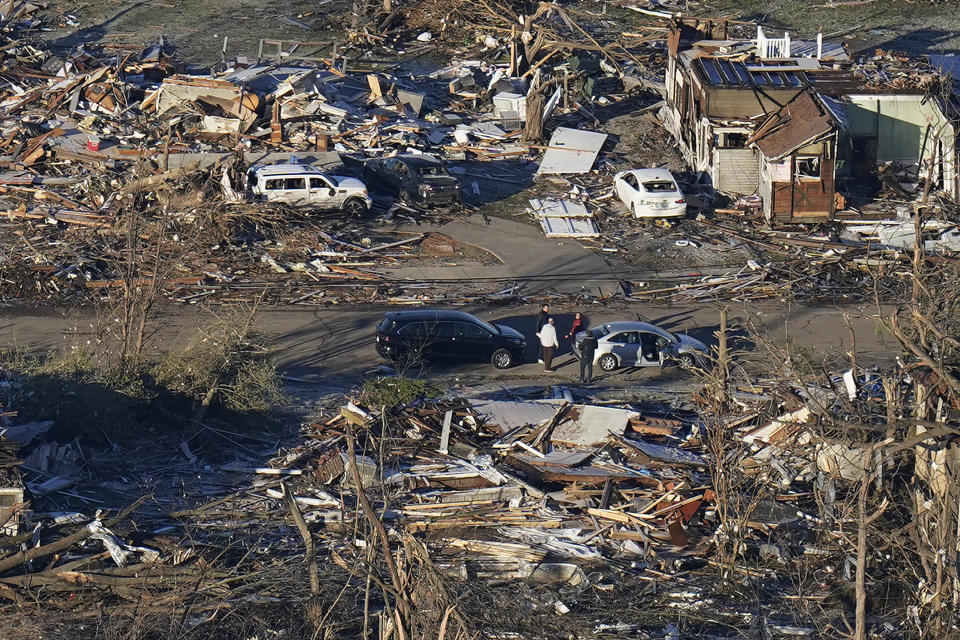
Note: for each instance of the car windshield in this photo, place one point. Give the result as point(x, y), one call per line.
point(672, 336)
point(386, 325)
point(432, 170)
point(489, 327)
point(332, 180)
point(600, 331)
point(659, 186)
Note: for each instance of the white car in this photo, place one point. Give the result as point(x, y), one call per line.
point(650, 193)
point(305, 185)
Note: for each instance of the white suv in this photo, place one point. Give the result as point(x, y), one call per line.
point(305, 185)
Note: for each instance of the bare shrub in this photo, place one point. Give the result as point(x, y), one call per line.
point(227, 363)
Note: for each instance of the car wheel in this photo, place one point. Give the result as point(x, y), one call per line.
point(687, 361)
point(633, 209)
point(355, 207)
point(502, 359)
point(607, 362)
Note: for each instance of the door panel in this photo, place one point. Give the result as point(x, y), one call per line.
point(320, 193)
point(627, 191)
point(474, 341)
point(295, 190)
point(626, 346)
point(622, 191)
point(650, 352)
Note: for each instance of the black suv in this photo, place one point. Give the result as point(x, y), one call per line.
point(419, 179)
point(431, 335)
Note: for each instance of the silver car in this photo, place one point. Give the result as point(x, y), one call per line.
point(641, 344)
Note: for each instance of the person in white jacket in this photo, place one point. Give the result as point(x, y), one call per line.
point(548, 340)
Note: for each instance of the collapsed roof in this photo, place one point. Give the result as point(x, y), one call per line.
point(798, 123)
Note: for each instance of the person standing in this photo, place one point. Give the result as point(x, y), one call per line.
point(576, 328)
point(588, 348)
point(541, 320)
point(548, 340)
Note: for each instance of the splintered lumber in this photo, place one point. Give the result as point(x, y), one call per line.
point(503, 550)
point(491, 494)
point(654, 426)
point(34, 148)
point(620, 516)
point(70, 217)
point(139, 282)
point(563, 473)
point(269, 471)
point(155, 180)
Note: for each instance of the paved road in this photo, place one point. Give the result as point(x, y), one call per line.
point(556, 264)
point(336, 346)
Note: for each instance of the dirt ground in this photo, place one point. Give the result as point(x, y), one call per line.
point(197, 28)
point(899, 25)
point(193, 27)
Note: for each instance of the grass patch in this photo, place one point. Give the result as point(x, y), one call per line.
point(225, 372)
point(390, 392)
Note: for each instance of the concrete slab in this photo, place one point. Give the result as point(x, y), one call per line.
point(588, 425)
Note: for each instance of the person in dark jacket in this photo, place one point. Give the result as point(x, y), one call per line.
point(542, 319)
point(588, 348)
point(576, 328)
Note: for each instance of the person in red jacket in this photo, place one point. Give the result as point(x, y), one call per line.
point(577, 327)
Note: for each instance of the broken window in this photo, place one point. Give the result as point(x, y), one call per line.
point(432, 170)
point(318, 183)
point(274, 185)
point(807, 167)
point(295, 183)
point(659, 186)
point(734, 140)
point(631, 180)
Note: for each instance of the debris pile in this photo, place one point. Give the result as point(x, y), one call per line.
point(101, 148)
point(565, 504)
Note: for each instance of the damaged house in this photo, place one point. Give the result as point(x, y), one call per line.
point(796, 148)
point(796, 122)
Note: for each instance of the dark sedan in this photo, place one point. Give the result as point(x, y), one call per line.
point(415, 179)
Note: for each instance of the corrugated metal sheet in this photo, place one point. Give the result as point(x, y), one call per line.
point(737, 171)
point(563, 218)
point(568, 227)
